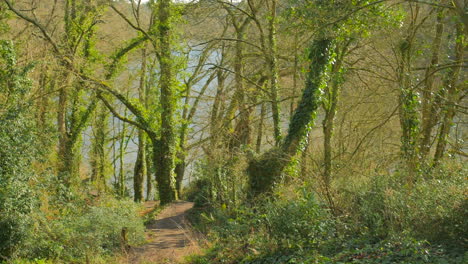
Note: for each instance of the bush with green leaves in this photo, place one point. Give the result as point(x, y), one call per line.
point(219, 180)
point(434, 208)
point(300, 223)
point(17, 151)
point(377, 220)
point(280, 226)
point(83, 233)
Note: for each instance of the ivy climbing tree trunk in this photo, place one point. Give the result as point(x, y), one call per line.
point(166, 151)
point(330, 104)
point(99, 154)
point(122, 176)
point(408, 102)
point(266, 170)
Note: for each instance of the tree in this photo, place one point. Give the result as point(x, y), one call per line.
point(453, 94)
point(17, 151)
point(266, 170)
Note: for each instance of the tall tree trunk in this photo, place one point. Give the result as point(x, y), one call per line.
point(408, 103)
point(429, 105)
point(265, 171)
point(63, 152)
point(180, 172)
point(453, 96)
point(260, 128)
point(140, 170)
point(149, 178)
point(292, 104)
point(63, 160)
point(242, 133)
point(273, 65)
point(215, 122)
point(330, 104)
point(122, 178)
point(99, 156)
point(166, 154)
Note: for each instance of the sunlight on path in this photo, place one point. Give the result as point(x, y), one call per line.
point(170, 238)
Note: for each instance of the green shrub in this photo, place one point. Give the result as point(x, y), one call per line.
point(379, 220)
point(17, 152)
point(94, 231)
point(218, 181)
point(299, 223)
point(433, 209)
point(279, 229)
point(396, 249)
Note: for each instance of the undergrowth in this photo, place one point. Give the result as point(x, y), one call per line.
point(80, 231)
point(378, 220)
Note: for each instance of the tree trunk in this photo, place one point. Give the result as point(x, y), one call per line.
point(122, 178)
point(242, 131)
point(408, 102)
point(453, 96)
point(140, 169)
point(63, 159)
point(180, 172)
point(149, 178)
point(166, 154)
point(273, 64)
point(260, 128)
point(429, 105)
point(292, 105)
point(330, 104)
point(215, 120)
point(265, 171)
point(99, 157)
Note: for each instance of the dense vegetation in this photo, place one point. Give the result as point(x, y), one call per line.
point(305, 131)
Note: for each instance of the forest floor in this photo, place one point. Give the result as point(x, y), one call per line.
point(169, 236)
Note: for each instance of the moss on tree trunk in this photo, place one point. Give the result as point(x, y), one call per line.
point(266, 170)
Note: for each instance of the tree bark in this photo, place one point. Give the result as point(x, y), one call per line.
point(408, 103)
point(140, 169)
point(429, 105)
point(453, 96)
point(330, 104)
point(273, 64)
point(166, 154)
point(266, 170)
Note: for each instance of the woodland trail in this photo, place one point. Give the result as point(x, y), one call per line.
point(169, 236)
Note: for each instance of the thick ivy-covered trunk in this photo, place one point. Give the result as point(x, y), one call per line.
point(71, 118)
point(166, 154)
point(266, 170)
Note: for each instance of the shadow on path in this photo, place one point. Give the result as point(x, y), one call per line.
point(169, 237)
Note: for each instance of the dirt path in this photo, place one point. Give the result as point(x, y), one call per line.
point(170, 238)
